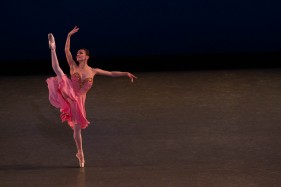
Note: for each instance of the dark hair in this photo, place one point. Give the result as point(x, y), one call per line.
point(86, 51)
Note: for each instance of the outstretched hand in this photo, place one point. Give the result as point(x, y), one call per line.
point(132, 77)
point(73, 31)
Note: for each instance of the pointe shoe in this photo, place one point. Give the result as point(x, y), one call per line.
point(52, 43)
point(81, 160)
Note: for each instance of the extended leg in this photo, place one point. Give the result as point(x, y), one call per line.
point(55, 62)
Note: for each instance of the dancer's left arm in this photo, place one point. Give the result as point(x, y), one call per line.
point(115, 73)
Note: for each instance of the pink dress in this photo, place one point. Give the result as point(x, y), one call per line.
point(69, 96)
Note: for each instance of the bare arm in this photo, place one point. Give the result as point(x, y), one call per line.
point(115, 74)
point(68, 54)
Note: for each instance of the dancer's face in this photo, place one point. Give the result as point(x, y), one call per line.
point(81, 56)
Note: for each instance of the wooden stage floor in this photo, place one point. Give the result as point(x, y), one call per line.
point(212, 128)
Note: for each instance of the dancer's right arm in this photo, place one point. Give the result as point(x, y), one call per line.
point(68, 54)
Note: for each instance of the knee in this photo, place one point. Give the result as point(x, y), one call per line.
point(76, 128)
point(76, 133)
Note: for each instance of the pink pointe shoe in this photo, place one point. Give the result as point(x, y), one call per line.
point(81, 160)
point(52, 43)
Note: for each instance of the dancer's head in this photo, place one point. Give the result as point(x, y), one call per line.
point(83, 55)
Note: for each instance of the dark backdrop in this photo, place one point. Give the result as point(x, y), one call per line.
point(142, 35)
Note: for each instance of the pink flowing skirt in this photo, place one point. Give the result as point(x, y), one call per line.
point(62, 96)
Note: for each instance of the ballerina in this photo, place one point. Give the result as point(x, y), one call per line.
point(69, 95)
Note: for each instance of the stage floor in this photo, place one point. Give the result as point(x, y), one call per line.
point(215, 128)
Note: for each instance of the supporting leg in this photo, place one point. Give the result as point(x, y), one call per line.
point(78, 140)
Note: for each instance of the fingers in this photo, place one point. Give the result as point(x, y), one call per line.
point(131, 76)
point(74, 30)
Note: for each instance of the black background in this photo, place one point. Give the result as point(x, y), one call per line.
point(142, 35)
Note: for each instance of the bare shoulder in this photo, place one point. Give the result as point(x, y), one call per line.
point(96, 70)
point(99, 71)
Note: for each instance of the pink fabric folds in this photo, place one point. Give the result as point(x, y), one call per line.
point(71, 105)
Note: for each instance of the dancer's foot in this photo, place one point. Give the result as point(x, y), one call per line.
point(80, 157)
point(52, 43)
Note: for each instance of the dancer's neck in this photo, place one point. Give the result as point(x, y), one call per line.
point(83, 65)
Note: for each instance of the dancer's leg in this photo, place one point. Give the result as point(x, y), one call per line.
point(78, 140)
point(55, 62)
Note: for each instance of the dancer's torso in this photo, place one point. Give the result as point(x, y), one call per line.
point(81, 86)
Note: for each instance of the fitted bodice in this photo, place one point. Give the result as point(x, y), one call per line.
point(81, 86)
